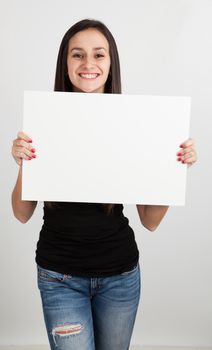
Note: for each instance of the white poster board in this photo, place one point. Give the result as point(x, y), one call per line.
point(105, 148)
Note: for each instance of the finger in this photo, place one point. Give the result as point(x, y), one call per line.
point(22, 143)
point(20, 154)
point(186, 151)
point(189, 155)
point(189, 161)
point(189, 158)
point(21, 135)
point(19, 157)
point(19, 151)
point(187, 143)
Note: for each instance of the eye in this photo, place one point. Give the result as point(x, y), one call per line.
point(77, 55)
point(99, 55)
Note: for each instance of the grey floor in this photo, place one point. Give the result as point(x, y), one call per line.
point(44, 347)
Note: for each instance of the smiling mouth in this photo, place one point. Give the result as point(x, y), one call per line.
point(89, 76)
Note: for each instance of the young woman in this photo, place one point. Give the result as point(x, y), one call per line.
point(87, 257)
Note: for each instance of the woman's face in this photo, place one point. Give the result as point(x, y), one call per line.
point(88, 61)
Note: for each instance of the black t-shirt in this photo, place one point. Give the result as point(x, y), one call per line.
point(82, 239)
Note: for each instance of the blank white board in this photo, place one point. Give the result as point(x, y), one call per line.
point(105, 148)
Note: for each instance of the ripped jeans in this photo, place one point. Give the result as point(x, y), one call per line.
point(83, 313)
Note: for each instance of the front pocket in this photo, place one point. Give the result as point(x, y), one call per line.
point(51, 276)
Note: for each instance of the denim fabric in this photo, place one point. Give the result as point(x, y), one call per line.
point(83, 313)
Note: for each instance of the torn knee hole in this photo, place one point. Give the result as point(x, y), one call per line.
point(67, 329)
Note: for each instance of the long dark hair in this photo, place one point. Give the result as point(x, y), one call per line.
point(113, 83)
point(62, 81)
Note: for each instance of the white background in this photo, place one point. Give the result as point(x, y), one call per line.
point(165, 49)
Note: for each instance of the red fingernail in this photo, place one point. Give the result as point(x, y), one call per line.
point(178, 159)
point(30, 140)
point(34, 156)
point(181, 146)
point(179, 154)
point(33, 150)
point(29, 158)
point(183, 161)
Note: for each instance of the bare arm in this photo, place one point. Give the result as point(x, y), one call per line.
point(151, 215)
point(22, 210)
point(22, 149)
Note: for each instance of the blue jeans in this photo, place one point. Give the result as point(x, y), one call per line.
point(83, 313)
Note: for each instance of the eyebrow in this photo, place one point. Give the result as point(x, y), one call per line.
point(95, 48)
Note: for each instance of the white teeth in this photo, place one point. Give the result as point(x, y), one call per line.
point(89, 76)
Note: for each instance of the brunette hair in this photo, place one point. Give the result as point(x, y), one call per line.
point(62, 81)
point(113, 83)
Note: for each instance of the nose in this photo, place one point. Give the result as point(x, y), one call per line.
point(88, 62)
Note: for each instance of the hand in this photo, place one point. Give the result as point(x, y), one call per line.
point(187, 153)
point(22, 148)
